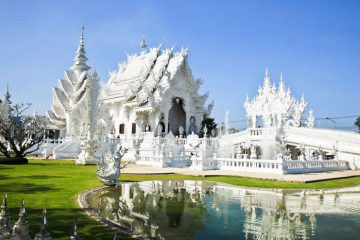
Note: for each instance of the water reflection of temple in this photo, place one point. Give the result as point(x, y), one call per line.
point(148, 208)
point(285, 214)
point(180, 209)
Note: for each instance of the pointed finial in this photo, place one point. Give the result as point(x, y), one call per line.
point(21, 227)
point(5, 226)
point(80, 56)
point(74, 233)
point(43, 233)
point(4, 203)
point(143, 43)
point(7, 95)
point(281, 77)
point(22, 208)
point(44, 221)
point(267, 79)
point(267, 74)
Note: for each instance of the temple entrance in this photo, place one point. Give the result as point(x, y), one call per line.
point(177, 116)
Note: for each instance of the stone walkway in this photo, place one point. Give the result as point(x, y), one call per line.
point(306, 177)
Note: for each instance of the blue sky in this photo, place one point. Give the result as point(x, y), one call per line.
point(315, 44)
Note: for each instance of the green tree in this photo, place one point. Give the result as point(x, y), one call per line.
point(210, 125)
point(357, 123)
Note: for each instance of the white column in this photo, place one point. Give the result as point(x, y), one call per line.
point(138, 122)
point(166, 121)
point(253, 121)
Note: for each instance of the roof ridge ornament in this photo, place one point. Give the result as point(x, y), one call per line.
point(267, 76)
point(143, 45)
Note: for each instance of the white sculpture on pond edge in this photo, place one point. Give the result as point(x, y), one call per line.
point(109, 165)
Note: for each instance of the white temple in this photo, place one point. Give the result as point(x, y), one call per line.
point(151, 105)
point(154, 91)
point(69, 93)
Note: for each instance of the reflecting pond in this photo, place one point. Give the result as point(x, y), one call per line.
point(209, 210)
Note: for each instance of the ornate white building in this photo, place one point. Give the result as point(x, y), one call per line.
point(69, 94)
point(279, 130)
point(152, 106)
point(154, 90)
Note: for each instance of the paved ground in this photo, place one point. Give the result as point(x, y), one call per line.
point(307, 177)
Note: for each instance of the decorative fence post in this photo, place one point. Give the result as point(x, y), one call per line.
point(21, 227)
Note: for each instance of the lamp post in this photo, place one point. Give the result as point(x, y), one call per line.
point(331, 121)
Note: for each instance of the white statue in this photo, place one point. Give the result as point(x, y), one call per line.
point(192, 127)
point(109, 166)
point(302, 156)
point(253, 151)
point(311, 119)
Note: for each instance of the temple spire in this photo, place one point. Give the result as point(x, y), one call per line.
point(7, 95)
point(80, 56)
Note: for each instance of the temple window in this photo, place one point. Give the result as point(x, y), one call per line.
point(133, 128)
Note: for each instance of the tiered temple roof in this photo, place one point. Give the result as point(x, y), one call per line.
point(71, 89)
point(146, 76)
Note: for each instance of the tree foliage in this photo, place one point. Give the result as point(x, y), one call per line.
point(19, 134)
point(210, 125)
point(357, 123)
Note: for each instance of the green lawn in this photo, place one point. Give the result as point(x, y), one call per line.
point(55, 185)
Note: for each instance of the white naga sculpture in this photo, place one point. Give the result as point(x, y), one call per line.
point(109, 165)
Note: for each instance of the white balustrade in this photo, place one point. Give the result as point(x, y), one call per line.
point(52, 141)
point(255, 132)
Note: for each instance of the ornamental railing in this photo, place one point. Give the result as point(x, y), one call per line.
point(277, 166)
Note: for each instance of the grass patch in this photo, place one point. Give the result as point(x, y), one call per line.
point(249, 182)
point(55, 184)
